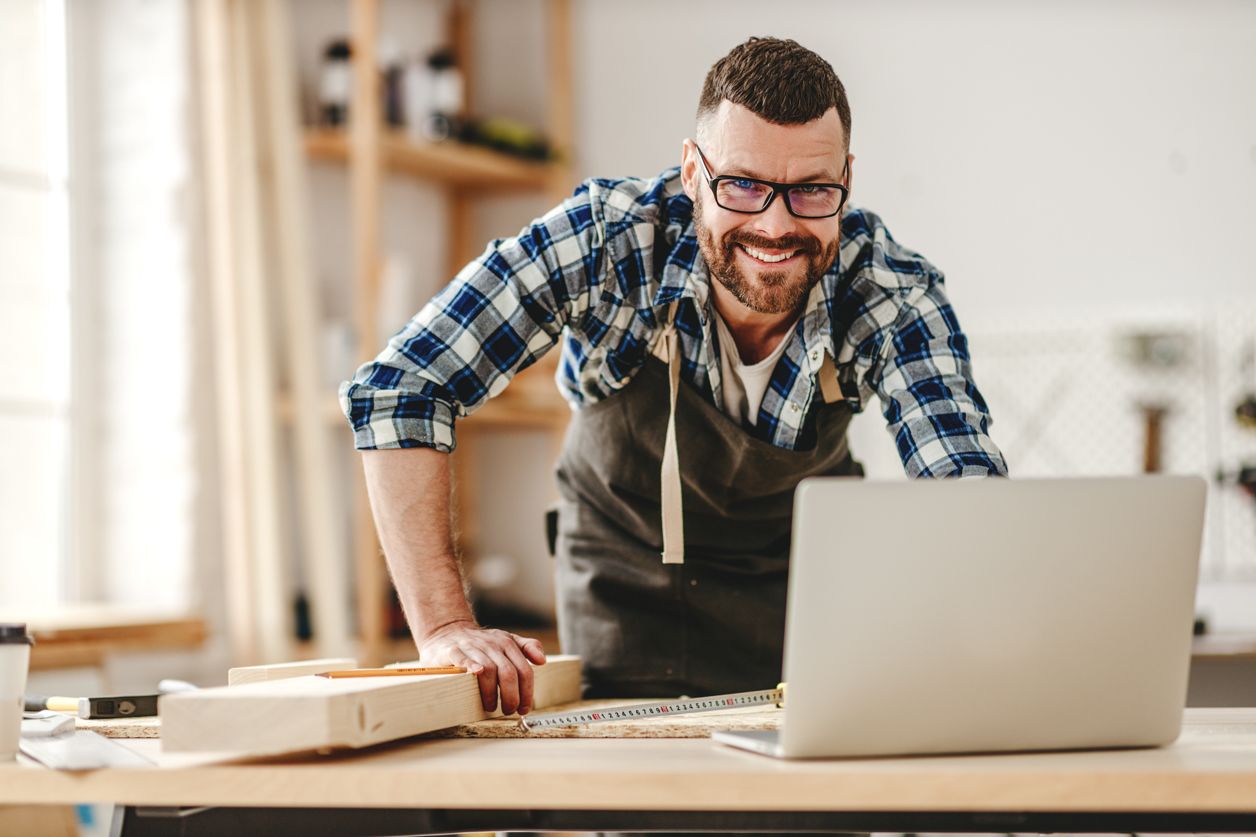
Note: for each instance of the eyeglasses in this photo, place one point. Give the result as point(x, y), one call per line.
point(750, 196)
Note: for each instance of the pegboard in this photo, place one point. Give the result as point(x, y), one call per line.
point(1070, 397)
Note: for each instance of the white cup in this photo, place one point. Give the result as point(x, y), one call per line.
point(15, 656)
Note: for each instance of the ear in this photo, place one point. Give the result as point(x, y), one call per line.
point(690, 171)
point(850, 177)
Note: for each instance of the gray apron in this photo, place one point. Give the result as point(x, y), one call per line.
point(716, 622)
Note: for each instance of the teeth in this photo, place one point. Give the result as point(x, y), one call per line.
point(764, 257)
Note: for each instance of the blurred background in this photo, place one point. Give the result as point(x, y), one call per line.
point(212, 211)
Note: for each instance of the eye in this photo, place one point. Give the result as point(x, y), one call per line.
point(807, 190)
point(742, 183)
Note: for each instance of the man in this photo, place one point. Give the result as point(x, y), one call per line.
point(720, 324)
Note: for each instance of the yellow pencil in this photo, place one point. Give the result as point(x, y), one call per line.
point(393, 672)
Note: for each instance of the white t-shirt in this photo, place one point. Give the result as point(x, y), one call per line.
point(744, 384)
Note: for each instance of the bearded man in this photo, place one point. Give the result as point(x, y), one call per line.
point(719, 325)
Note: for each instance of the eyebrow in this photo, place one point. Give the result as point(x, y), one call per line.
point(814, 178)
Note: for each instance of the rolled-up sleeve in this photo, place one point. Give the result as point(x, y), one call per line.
point(500, 314)
point(933, 409)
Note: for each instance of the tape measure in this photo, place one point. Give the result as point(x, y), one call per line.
point(681, 706)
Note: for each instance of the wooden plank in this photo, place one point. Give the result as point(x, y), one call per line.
point(213, 53)
point(366, 176)
point(40, 820)
point(317, 713)
point(242, 675)
point(560, 123)
point(459, 28)
point(322, 542)
point(452, 163)
point(256, 372)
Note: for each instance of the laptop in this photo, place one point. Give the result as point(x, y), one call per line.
point(987, 615)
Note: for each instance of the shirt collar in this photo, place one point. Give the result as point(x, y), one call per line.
point(685, 273)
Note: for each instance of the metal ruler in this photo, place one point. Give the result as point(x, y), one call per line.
point(681, 706)
point(80, 750)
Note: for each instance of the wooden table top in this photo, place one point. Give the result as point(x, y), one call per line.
point(1212, 768)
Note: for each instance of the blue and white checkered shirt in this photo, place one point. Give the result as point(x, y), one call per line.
point(599, 274)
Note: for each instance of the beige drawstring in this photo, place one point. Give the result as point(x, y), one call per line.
point(673, 509)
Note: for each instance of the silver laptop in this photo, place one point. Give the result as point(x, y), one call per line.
point(983, 615)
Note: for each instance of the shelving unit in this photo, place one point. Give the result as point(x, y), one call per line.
point(453, 164)
point(465, 172)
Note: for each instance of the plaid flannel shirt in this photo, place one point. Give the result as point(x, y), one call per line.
point(599, 274)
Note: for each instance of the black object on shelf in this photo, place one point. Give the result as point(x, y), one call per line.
point(336, 83)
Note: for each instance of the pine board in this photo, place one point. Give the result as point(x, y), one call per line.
point(316, 713)
point(281, 671)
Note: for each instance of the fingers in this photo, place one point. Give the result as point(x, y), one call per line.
point(501, 661)
point(523, 671)
point(454, 656)
point(507, 678)
point(532, 648)
point(486, 671)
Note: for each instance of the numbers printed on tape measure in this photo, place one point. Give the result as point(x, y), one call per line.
point(646, 710)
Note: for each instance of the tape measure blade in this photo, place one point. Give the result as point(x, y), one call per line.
point(684, 706)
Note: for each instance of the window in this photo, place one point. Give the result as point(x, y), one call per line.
point(34, 305)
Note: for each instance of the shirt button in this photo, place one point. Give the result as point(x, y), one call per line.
point(815, 355)
point(667, 671)
point(693, 582)
point(793, 406)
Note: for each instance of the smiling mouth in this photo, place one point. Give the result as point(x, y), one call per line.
point(766, 257)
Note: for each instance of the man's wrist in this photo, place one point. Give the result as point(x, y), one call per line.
point(424, 633)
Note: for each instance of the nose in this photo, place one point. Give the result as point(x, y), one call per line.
point(775, 221)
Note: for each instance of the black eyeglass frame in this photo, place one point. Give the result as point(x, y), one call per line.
point(777, 189)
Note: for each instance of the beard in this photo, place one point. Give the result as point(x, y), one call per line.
point(770, 291)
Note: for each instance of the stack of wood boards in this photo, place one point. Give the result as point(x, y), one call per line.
point(273, 717)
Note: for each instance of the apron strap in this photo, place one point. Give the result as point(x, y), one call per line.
point(668, 348)
point(673, 509)
point(829, 386)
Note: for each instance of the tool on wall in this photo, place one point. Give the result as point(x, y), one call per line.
point(680, 706)
point(1154, 354)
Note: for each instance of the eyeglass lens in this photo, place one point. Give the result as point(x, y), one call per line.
point(748, 196)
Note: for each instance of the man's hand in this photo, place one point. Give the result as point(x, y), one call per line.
point(498, 658)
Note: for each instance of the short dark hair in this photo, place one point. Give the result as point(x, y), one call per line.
point(778, 80)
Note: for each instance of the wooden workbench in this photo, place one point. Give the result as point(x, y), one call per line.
point(1204, 782)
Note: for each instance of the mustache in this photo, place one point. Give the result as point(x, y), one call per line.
point(807, 244)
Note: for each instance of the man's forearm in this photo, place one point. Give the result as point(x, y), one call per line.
point(409, 491)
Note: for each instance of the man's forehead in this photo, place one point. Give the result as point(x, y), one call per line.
point(742, 142)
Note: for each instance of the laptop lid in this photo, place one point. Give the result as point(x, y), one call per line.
point(989, 614)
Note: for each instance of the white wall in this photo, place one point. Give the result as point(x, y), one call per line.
point(1038, 153)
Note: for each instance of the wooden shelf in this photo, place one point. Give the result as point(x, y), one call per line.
point(518, 413)
point(451, 163)
point(68, 636)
